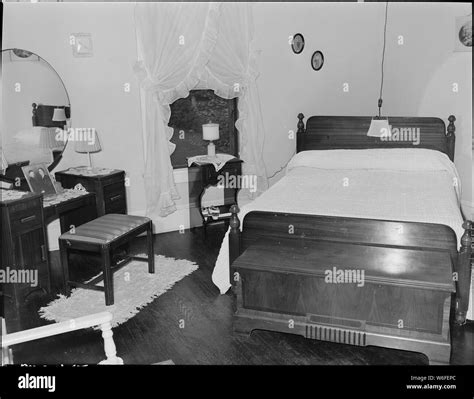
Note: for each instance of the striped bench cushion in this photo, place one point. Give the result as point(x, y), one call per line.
point(105, 229)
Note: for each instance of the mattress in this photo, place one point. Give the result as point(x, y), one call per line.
point(416, 185)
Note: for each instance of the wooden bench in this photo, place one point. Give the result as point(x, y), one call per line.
point(347, 293)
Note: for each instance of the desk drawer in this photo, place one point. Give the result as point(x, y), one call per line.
point(116, 204)
point(114, 198)
point(26, 219)
point(114, 192)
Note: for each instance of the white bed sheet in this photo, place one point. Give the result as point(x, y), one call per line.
point(407, 185)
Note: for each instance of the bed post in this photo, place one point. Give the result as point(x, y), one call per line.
point(33, 114)
point(300, 133)
point(451, 137)
point(463, 274)
point(234, 234)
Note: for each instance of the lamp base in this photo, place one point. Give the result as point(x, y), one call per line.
point(211, 149)
point(90, 161)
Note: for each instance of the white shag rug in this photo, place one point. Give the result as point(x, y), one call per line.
point(134, 288)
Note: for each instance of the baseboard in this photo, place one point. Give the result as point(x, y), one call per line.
point(176, 221)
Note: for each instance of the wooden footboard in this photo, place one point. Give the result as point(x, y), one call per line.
point(261, 226)
point(279, 260)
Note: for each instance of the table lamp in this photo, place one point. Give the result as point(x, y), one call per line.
point(88, 145)
point(210, 131)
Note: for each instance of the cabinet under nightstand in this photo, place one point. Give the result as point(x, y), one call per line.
point(109, 188)
point(203, 176)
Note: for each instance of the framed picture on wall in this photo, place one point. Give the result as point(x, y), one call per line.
point(463, 34)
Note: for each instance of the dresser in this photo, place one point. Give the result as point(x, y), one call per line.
point(25, 265)
point(108, 186)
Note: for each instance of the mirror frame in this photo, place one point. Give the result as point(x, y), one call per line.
point(56, 157)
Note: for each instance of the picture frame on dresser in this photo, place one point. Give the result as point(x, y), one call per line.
point(39, 179)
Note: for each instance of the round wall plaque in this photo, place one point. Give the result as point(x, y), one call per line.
point(317, 60)
point(297, 43)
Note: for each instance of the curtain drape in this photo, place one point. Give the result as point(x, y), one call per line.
point(186, 46)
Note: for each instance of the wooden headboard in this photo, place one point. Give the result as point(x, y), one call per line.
point(42, 115)
point(350, 132)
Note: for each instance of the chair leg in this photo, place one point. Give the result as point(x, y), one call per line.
point(150, 247)
point(66, 289)
point(108, 276)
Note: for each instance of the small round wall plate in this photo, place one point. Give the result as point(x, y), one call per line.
point(297, 43)
point(317, 60)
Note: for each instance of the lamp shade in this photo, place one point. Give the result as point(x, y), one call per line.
point(59, 115)
point(210, 131)
point(379, 128)
point(48, 138)
point(87, 141)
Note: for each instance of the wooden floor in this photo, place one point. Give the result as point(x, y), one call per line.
point(154, 335)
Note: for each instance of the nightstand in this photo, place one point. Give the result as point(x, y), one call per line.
point(108, 186)
point(201, 177)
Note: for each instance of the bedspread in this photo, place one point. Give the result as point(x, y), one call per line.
point(413, 185)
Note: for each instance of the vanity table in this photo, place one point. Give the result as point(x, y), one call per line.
point(25, 216)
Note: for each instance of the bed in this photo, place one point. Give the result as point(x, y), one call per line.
point(350, 196)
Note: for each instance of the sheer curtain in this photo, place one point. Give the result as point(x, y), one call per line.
point(186, 46)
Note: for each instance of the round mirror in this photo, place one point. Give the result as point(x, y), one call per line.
point(35, 112)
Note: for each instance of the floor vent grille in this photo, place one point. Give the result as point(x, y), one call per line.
point(334, 334)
